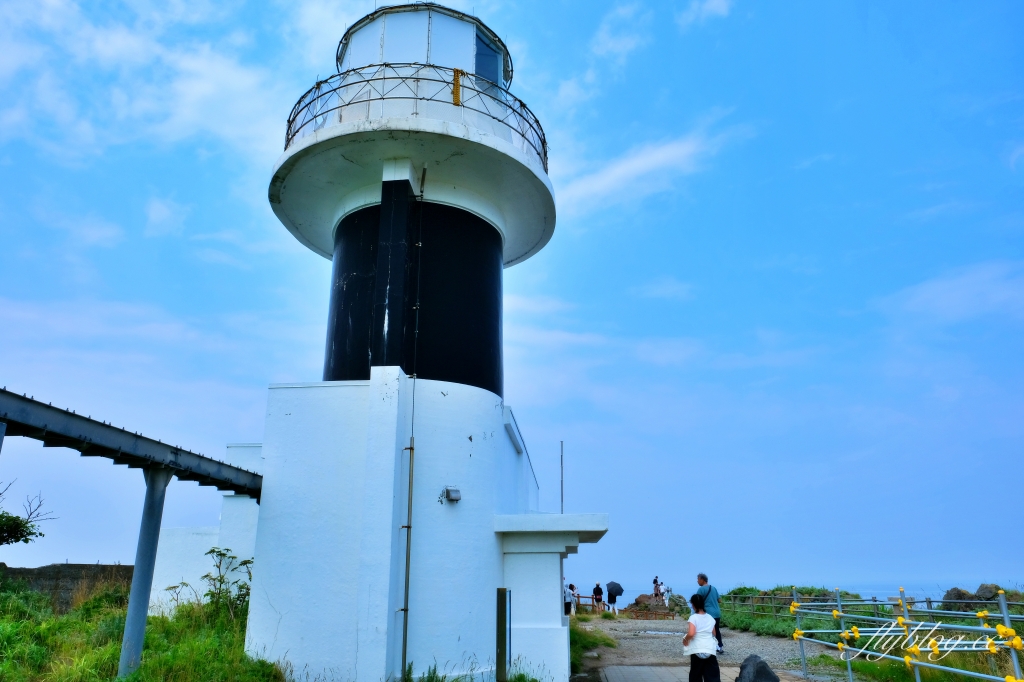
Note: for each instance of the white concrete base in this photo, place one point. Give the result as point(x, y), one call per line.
point(329, 576)
point(180, 557)
point(181, 552)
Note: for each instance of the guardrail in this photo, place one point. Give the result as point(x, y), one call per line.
point(903, 627)
point(435, 92)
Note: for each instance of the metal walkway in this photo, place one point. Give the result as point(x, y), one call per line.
point(21, 415)
point(59, 428)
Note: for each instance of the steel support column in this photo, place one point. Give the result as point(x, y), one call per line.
point(142, 578)
point(3, 430)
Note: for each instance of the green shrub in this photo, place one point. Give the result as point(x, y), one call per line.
point(608, 615)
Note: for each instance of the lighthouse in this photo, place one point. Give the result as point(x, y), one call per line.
point(398, 524)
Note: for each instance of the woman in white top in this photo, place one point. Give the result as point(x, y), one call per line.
point(700, 643)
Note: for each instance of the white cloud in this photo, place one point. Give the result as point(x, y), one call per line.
point(318, 25)
point(218, 257)
point(984, 289)
point(930, 213)
point(576, 90)
point(1016, 155)
point(164, 217)
point(533, 305)
point(551, 339)
point(700, 11)
point(808, 162)
point(77, 85)
point(667, 287)
point(621, 31)
point(668, 351)
point(641, 172)
point(85, 230)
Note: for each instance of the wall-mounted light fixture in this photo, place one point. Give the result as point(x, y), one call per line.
point(452, 494)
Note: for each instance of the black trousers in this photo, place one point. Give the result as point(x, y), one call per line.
point(568, 608)
point(704, 669)
point(718, 631)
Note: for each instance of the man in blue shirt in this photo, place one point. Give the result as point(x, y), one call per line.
point(711, 606)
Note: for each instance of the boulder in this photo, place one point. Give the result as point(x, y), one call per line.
point(955, 594)
point(987, 591)
point(648, 602)
point(754, 669)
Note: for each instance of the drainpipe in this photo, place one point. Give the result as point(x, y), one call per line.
point(408, 559)
point(412, 436)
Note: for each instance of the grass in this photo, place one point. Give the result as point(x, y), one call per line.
point(581, 641)
point(608, 615)
point(432, 674)
point(201, 639)
point(199, 642)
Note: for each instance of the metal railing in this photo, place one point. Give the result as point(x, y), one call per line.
point(432, 92)
point(922, 637)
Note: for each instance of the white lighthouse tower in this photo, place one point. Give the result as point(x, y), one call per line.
point(398, 492)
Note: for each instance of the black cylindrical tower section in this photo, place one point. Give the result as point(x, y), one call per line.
point(460, 293)
point(350, 320)
point(446, 259)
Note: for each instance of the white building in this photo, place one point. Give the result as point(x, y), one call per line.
point(398, 494)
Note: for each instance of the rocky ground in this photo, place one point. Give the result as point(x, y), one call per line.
point(642, 642)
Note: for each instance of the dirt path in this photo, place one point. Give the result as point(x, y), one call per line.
point(641, 643)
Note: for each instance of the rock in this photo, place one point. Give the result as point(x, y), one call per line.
point(955, 594)
point(648, 602)
point(987, 591)
point(754, 669)
point(591, 654)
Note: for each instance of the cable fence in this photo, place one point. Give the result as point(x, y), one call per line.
point(918, 633)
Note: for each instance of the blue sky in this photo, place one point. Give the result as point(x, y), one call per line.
point(779, 326)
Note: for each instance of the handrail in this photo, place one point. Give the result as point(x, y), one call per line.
point(378, 83)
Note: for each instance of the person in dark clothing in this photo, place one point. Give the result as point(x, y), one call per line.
point(598, 597)
point(711, 606)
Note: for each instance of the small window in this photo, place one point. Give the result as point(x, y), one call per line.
point(488, 60)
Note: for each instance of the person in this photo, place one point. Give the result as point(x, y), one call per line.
point(567, 597)
point(575, 598)
point(712, 605)
point(699, 643)
point(598, 597)
point(657, 587)
point(612, 596)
